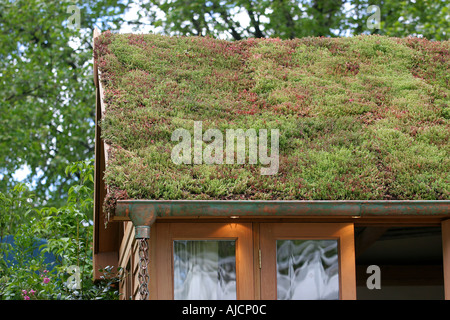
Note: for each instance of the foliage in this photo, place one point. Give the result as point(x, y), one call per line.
point(247, 18)
point(48, 97)
point(360, 118)
point(426, 18)
point(239, 19)
point(16, 209)
point(68, 234)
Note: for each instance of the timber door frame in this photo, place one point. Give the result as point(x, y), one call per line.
point(343, 232)
point(161, 258)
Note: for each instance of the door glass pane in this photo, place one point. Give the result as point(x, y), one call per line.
point(307, 270)
point(204, 269)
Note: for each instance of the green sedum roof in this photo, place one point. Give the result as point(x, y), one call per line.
point(361, 118)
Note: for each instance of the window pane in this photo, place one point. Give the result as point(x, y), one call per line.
point(307, 270)
point(204, 269)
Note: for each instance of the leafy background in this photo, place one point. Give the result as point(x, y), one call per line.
point(48, 99)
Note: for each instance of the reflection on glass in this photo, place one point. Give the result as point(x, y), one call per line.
point(307, 270)
point(204, 269)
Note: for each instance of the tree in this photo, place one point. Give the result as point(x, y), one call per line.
point(247, 18)
point(427, 18)
point(48, 97)
point(237, 19)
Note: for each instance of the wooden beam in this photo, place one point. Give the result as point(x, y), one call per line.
point(105, 238)
point(96, 34)
point(126, 243)
point(106, 241)
point(102, 110)
point(99, 187)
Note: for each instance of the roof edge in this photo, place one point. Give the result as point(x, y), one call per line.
point(295, 208)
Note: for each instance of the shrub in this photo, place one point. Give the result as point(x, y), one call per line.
point(67, 234)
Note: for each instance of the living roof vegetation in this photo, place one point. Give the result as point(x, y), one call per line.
point(361, 118)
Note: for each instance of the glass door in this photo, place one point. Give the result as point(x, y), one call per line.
point(307, 261)
point(247, 261)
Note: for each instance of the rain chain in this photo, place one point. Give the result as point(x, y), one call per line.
point(143, 272)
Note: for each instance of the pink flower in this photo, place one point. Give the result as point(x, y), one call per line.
point(350, 100)
point(32, 291)
point(26, 298)
point(24, 292)
point(46, 280)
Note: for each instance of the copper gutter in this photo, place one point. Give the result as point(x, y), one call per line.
point(144, 212)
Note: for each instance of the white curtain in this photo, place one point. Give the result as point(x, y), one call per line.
point(204, 270)
point(307, 270)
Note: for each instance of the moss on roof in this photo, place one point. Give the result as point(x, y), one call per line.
point(360, 118)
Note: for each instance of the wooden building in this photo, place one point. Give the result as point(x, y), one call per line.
point(357, 209)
